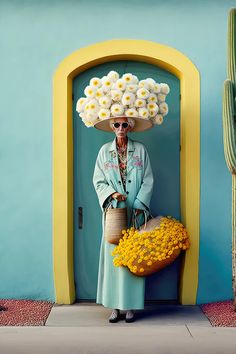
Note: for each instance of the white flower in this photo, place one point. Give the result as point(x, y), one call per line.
point(135, 80)
point(143, 84)
point(143, 93)
point(117, 109)
point(143, 113)
point(93, 105)
point(104, 113)
point(112, 96)
point(120, 84)
point(128, 78)
point(161, 97)
point(113, 86)
point(151, 84)
point(128, 98)
point(87, 107)
point(88, 123)
point(89, 91)
point(88, 118)
point(99, 93)
point(150, 80)
point(152, 113)
point(106, 83)
point(163, 108)
point(152, 98)
point(80, 104)
point(158, 119)
point(106, 89)
point(104, 78)
point(116, 95)
point(131, 88)
point(157, 88)
point(105, 101)
point(165, 89)
point(95, 82)
point(91, 116)
point(139, 102)
point(152, 107)
point(113, 75)
point(82, 115)
point(131, 112)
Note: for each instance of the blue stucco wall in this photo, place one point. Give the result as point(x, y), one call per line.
point(34, 38)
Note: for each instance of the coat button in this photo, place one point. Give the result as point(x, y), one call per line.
point(127, 192)
point(119, 182)
point(129, 181)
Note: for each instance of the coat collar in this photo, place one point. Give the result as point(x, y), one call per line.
point(130, 147)
point(130, 151)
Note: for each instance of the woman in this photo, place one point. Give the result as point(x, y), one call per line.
point(122, 176)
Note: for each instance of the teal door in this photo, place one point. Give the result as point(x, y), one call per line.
point(163, 145)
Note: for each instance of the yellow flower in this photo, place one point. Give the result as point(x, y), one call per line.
point(152, 246)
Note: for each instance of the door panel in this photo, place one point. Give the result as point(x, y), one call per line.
point(162, 143)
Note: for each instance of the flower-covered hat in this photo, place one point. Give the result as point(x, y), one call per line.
point(113, 97)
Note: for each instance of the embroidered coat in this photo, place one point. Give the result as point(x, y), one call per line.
point(117, 286)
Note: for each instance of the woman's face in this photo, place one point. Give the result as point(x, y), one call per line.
point(121, 131)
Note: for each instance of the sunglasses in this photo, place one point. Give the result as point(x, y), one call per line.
point(124, 125)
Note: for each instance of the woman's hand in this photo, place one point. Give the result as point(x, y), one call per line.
point(138, 211)
point(118, 196)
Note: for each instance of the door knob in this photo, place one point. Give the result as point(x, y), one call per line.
point(80, 217)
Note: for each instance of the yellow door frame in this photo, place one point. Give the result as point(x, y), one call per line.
point(139, 50)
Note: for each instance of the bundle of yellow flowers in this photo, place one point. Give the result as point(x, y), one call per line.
point(150, 249)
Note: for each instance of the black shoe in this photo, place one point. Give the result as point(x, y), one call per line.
point(129, 316)
point(115, 316)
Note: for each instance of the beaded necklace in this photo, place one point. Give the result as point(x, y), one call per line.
point(122, 158)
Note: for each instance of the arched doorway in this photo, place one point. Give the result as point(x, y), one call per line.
point(170, 60)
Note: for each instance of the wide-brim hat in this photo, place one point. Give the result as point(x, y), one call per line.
point(112, 97)
point(140, 124)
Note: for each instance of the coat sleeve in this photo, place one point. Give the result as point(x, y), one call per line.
point(144, 195)
point(101, 185)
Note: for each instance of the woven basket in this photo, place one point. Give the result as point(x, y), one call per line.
point(115, 222)
point(158, 265)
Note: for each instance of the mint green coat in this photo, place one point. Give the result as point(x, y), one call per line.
point(117, 286)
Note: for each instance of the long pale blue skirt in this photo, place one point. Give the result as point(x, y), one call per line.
point(118, 288)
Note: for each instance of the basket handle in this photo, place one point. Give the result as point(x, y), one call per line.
point(134, 219)
point(110, 204)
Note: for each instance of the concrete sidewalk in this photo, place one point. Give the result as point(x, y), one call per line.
point(84, 315)
point(83, 328)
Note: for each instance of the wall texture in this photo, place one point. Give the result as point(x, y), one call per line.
point(34, 38)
